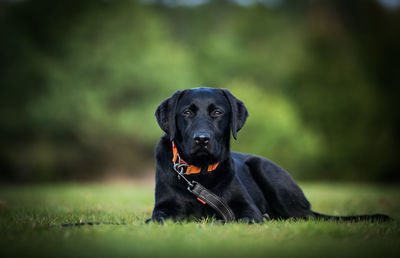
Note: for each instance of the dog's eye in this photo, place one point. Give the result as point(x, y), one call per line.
point(187, 112)
point(217, 113)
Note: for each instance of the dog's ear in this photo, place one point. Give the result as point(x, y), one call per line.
point(165, 114)
point(239, 112)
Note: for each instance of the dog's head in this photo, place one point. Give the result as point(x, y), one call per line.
point(199, 121)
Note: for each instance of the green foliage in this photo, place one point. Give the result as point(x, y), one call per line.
point(111, 78)
point(81, 91)
point(280, 134)
point(31, 218)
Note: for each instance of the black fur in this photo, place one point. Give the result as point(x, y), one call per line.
point(253, 186)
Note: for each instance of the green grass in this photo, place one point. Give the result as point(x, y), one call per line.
point(31, 218)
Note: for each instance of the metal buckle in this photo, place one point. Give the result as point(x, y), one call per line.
point(179, 168)
point(191, 186)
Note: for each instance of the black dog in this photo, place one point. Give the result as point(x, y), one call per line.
point(198, 123)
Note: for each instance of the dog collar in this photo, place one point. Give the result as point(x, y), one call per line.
point(190, 169)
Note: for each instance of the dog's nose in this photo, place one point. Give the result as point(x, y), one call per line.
point(201, 138)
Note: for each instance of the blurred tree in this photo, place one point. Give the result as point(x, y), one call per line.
point(81, 81)
point(340, 93)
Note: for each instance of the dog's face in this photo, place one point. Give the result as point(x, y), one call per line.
point(199, 121)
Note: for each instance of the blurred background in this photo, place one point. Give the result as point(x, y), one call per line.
point(80, 81)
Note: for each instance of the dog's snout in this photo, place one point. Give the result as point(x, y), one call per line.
point(201, 138)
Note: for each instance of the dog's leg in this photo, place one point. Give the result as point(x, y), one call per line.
point(166, 209)
point(158, 216)
point(284, 196)
point(245, 212)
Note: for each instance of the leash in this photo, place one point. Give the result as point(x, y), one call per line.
point(90, 223)
point(204, 195)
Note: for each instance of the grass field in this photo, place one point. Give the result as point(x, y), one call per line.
point(31, 218)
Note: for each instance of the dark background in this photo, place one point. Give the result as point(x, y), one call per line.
point(80, 81)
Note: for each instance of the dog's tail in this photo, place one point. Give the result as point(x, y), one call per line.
point(356, 218)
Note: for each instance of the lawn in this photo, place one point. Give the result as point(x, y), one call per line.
point(31, 218)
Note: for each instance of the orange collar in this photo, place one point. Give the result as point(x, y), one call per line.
point(190, 169)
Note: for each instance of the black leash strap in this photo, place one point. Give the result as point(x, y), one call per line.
point(204, 195)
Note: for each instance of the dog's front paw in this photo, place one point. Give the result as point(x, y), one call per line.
point(246, 220)
point(159, 220)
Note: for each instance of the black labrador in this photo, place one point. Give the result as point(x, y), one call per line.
point(198, 124)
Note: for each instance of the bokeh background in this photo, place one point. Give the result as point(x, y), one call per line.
point(80, 81)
